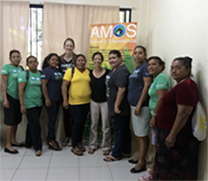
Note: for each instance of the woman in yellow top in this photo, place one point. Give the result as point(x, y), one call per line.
point(79, 99)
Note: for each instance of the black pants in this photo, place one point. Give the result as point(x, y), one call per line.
point(52, 116)
point(33, 132)
point(79, 116)
point(122, 135)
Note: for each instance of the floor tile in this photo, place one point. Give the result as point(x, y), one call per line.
point(91, 161)
point(63, 174)
point(64, 161)
point(10, 161)
point(36, 174)
point(7, 174)
point(123, 173)
point(35, 162)
point(94, 174)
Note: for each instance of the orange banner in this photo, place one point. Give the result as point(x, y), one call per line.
point(116, 36)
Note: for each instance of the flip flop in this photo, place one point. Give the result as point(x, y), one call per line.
point(91, 150)
point(110, 159)
point(106, 152)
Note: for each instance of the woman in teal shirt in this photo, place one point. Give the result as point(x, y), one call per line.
point(30, 96)
point(12, 114)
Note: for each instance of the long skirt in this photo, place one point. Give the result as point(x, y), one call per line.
point(179, 162)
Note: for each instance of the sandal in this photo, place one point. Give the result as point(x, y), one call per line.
point(91, 150)
point(110, 158)
point(53, 144)
point(106, 152)
point(81, 147)
point(77, 151)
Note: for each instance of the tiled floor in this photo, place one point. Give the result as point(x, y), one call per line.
point(63, 165)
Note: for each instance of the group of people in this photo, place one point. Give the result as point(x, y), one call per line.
point(144, 96)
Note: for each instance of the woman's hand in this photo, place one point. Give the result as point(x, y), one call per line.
point(170, 140)
point(6, 103)
point(65, 105)
point(153, 122)
point(117, 110)
point(137, 110)
point(23, 109)
point(48, 103)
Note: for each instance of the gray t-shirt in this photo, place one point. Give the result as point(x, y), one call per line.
point(114, 80)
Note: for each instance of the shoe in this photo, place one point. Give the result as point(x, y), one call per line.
point(77, 151)
point(91, 150)
point(65, 142)
point(19, 145)
point(133, 170)
point(110, 158)
point(69, 143)
point(106, 152)
point(38, 152)
point(54, 145)
point(146, 177)
point(9, 151)
point(81, 147)
point(133, 161)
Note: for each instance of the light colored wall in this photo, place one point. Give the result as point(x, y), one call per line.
point(178, 28)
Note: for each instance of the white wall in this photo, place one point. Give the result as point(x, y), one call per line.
point(176, 28)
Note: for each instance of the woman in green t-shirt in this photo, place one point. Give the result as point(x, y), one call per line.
point(12, 114)
point(159, 87)
point(30, 96)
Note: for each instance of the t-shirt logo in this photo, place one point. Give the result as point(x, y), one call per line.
point(58, 75)
point(14, 71)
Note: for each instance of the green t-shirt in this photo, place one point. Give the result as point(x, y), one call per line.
point(12, 80)
point(160, 82)
point(32, 93)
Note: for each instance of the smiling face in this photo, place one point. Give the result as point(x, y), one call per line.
point(69, 46)
point(97, 60)
point(114, 60)
point(178, 71)
point(139, 55)
point(32, 63)
point(154, 67)
point(80, 63)
point(53, 62)
point(15, 59)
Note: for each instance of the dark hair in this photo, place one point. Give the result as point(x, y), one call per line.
point(143, 48)
point(79, 55)
point(46, 59)
point(31, 56)
point(160, 61)
point(116, 52)
point(98, 53)
point(13, 51)
point(186, 61)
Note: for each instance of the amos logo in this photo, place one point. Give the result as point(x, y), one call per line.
point(118, 31)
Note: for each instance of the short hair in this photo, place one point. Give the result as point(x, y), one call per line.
point(116, 52)
point(186, 61)
point(13, 51)
point(98, 53)
point(31, 56)
point(160, 61)
point(79, 55)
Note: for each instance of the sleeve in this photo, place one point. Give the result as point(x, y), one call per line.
point(186, 95)
point(4, 70)
point(161, 83)
point(68, 74)
point(45, 74)
point(145, 72)
point(121, 78)
point(22, 77)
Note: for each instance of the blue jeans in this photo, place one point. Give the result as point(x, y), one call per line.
point(79, 116)
point(52, 116)
point(33, 132)
point(122, 135)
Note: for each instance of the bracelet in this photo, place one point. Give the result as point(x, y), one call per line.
point(154, 114)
